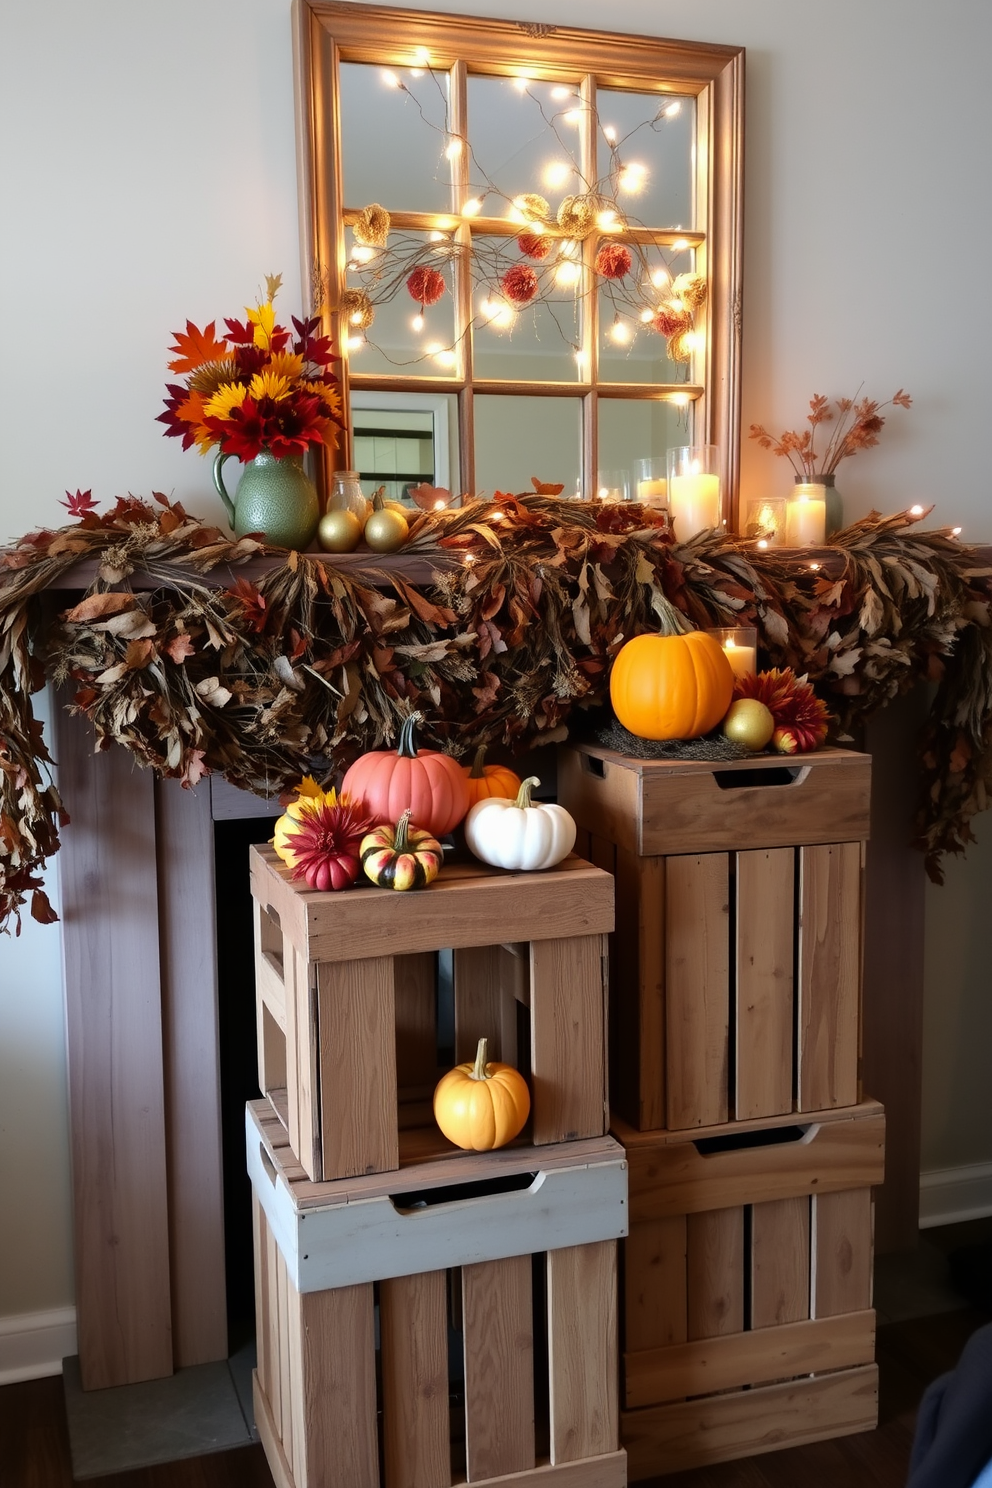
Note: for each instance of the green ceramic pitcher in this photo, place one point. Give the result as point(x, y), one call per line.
point(274, 497)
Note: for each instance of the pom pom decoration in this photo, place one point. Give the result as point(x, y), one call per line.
point(535, 245)
point(678, 348)
point(533, 206)
point(426, 286)
point(371, 226)
point(356, 307)
point(613, 261)
point(690, 289)
point(576, 216)
point(671, 320)
point(800, 716)
point(326, 842)
point(519, 284)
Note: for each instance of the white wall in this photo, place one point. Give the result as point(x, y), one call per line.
point(147, 174)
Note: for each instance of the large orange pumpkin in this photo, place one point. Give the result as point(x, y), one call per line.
point(671, 687)
point(484, 780)
point(425, 781)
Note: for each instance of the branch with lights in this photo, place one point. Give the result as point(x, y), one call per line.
point(534, 253)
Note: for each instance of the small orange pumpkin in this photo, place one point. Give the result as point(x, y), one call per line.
point(480, 1106)
point(671, 687)
point(484, 780)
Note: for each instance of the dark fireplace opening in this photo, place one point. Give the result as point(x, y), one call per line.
point(238, 1057)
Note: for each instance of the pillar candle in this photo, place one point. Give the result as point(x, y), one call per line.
point(694, 503)
point(805, 521)
point(742, 658)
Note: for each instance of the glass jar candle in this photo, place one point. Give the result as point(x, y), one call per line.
point(806, 515)
point(740, 647)
point(651, 482)
point(694, 489)
point(764, 521)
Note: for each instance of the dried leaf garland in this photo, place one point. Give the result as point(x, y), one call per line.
point(266, 678)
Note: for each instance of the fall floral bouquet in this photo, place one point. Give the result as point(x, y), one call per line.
point(255, 389)
point(859, 422)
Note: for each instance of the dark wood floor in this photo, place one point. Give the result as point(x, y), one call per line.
point(34, 1445)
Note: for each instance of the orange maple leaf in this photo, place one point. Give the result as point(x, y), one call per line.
point(196, 347)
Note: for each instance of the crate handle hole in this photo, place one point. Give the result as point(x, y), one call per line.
point(593, 765)
point(776, 1136)
point(268, 1166)
point(432, 1198)
point(760, 779)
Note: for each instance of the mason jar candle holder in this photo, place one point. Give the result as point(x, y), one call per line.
point(694, 489)
point(740, 647)
point(651, 481)
point(806, 515)
point(764, 521)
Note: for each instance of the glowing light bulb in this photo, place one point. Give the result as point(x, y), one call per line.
point(472, 207)
point(694, 341)
point(815, 567)
point(432, 348)
point(647, 316)
point(672, 109)
point(355, 319)
point(607, 219)
point(572, 116)
point(503, 315)
point(423, 56)
point(916, 511)
point(516, 214)
point(355, 343)
point(580, 360)
point(680, 245)
point(609, 133)
point(556, 173)
point(446, 357)
point(390, 79)
point(417, 322)
point(440, 505)
point(560, 93)
point(567, 273)
point(603, 492)
point(453, 148)
point(521, 84)
point(660, 278)
point(633, 177)
point(437, 237)
point(955, 531)
point(363, 253)
point(762, 542)
point(620, 332)
point(680, 400)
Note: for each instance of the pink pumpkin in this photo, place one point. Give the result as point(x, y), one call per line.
point(429, 784)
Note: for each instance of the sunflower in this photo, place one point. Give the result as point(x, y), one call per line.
point(231, 395)
point(269, 384)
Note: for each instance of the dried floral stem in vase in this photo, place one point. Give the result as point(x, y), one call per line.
point(859, 422)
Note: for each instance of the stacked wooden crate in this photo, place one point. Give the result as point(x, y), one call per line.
point(426, 1314)
point(735, 1047)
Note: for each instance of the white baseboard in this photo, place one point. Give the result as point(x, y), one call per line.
point(951, 1195)
point(33, 1344)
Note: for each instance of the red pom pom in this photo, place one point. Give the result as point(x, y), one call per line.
point(535, 245)
point(613, 261)
point(519, 284)
point(426, 286)
point(671, 322)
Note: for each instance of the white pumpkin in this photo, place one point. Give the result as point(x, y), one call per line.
point(521, 833)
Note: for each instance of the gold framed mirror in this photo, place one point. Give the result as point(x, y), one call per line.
point(537, 228)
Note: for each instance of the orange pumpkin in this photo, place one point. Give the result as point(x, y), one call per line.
point(426, 782)
point(671, 687)
point(484, 781)
point(479, 1105)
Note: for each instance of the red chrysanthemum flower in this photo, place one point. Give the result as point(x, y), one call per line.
point(426, 286)
point(670, 322)
point(326, 842)
point(519, 284)
point(613, 261)
point(800, 716)
point(535, 245)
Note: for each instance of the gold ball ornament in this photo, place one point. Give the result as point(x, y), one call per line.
point(339, 531)
point(386, 530)
point(750, 723)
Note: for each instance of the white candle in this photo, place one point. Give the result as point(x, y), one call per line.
point(652, 492)
point(741, 658)
point(805, 522)
point(694, 503)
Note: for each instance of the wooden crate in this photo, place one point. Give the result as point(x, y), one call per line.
point(747, 1288)
point(736, 972)
point(489, 1363)
point(346, 999)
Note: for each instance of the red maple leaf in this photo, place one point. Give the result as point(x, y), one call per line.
point(196, 347)
point(80, 504)
point(253, 604)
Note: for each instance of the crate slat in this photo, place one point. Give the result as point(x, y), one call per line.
point(780, 1262)
point(302, 1045)
point(831, 879)
point(568, 1033)
point(413, 1321)
point(654, 1287)
point(358, 1089)
point(637, 1046)
point(415, 991)
point(497, 1320)
point(334, 1401)
point(715, 1273)
point(765, 945)
point(479, 997)
point(842, 1255)
point(697, 971)
point(721, 1428)
point(582, 1340)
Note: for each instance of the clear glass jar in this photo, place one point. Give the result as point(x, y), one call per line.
point(346, 494)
